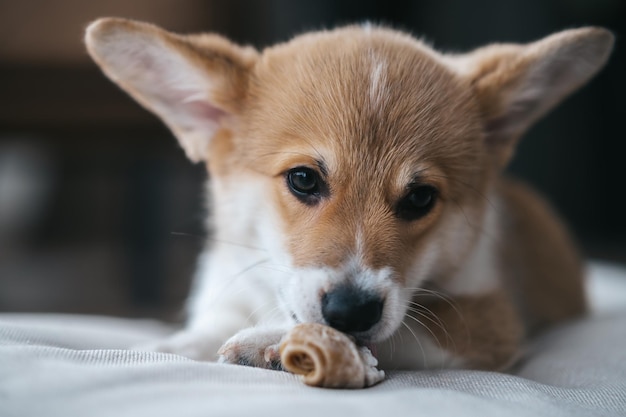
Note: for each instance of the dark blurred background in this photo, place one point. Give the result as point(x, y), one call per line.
point(100, 212)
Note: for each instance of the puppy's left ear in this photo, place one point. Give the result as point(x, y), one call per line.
point(193, 83)
point(517, 84)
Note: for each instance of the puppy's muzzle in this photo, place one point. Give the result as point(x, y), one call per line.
point(351, 310)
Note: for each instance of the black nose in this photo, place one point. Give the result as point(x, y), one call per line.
point(350, 310)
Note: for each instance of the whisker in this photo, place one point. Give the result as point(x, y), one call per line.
point(450, 302)
point(278, 268)
point(427, 291)
point(220, 241)
point(421, 323)
point(438, 323)
point(416, 339)
point(187, 235)
point(434, 293)
point(392, 345)
point(222, 290)
point(285, 153)
point(241, 245)
point(250, 267)
point(319, 155)
point(264, 155)
point(269, 315)
point(275, 312)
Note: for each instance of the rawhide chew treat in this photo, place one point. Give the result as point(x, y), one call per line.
point(327, 358)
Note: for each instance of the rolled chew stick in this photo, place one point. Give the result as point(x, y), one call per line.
point(325, 357)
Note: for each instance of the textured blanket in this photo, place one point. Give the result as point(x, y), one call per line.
point(62, 365)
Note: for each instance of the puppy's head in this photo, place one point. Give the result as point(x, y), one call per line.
point(362, 157)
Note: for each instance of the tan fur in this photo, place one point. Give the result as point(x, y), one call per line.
point(221, 158)
point(373, 111)
point(550, 288)
point(344, 126)
point(484, 330)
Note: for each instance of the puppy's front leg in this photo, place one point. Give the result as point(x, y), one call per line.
point(227, 299)
point(202, 340)
point(256, 346)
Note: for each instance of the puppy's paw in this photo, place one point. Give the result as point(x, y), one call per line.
point(256, 347)
point(197, 346)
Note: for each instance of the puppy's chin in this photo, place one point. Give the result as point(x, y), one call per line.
point(379, 334)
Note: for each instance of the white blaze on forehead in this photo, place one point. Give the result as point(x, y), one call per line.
point(359, 243)
point(378, 81)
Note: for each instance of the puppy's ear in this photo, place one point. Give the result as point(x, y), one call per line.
point(192, 82)
point(517, 84)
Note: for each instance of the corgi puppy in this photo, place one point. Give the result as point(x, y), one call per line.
point(355, 181)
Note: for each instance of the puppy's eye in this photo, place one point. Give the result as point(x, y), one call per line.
point(306, 184)
point(417, 203)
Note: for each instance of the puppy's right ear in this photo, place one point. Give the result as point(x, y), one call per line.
point(192, 82)
point(515, 85)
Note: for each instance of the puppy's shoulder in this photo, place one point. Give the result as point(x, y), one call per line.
point(543, 266)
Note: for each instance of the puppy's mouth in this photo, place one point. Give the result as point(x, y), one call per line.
point(361, 339)
point(366, 340)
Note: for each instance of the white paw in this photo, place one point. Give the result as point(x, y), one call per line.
point(256, 347)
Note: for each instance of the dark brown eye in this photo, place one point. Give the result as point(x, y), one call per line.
point(417, 203)
point(306, 184)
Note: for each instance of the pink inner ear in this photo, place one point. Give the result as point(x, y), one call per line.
point(180, 92)
point(511, 123)
point(204, 110)
point(189, 108)
point(182, 95)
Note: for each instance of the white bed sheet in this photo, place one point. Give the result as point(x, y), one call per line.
point(63, 365)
